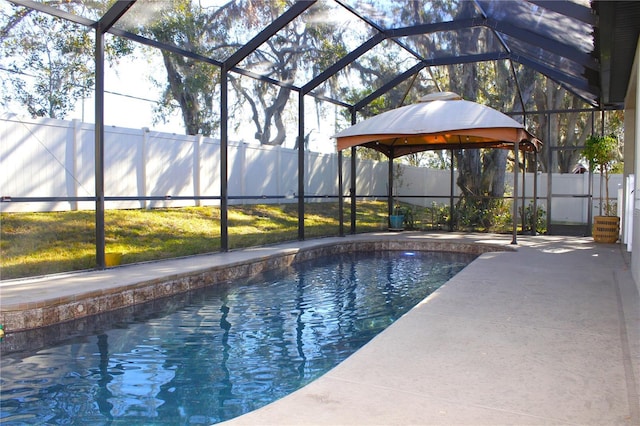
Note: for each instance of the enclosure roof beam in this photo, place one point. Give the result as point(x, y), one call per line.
point(280, 22)
point(505, 46)
point(570, 9)
point(467, 59)
point(527, 36)
point(179, 51)
point(288, 86)
point(163, 46)
point(570, 83)
point(343, 62)
point(389, 85)
point(114, 13)
point(436, 27)
point(428, 63)
point(58, 13)
point(552, 73)
point(563, 111)
point(197, 57)
point(117, 10)
point(330, 100)
point(378, 27)
point(543, 43)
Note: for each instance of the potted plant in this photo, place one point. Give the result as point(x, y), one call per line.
point(601, 152)
point(396, 220)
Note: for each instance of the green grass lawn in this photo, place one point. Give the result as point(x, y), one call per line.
point(34, 244)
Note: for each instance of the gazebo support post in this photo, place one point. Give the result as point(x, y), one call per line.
point(516, 166)
point(451, 189)
point(340, 195)
point(390, 189)
point(524, 190)
point(534, 225)
point(352, 191)
point(549, 160)
point(301, 166)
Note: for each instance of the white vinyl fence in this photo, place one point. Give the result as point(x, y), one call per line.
point(54, 158)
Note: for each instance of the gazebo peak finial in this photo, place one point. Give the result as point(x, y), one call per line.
point(441, 96)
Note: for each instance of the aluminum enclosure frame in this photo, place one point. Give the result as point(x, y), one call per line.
point(599, 86)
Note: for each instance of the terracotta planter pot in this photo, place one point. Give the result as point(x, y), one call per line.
point(606, 229)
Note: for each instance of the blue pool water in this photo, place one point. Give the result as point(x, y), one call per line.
point(211, 355)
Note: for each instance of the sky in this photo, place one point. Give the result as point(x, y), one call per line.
point(130, 99)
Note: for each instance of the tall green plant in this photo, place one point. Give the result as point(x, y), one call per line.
point(602, 153)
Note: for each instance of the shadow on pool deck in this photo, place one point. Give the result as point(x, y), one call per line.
point(546, 334)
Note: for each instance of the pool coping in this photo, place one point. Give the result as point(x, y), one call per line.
point(29, 304)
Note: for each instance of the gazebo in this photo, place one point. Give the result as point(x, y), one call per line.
point(440, 121)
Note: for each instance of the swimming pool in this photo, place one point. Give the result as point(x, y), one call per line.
point(213, 354)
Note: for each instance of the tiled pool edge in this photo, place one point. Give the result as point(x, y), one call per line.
point(28, 316)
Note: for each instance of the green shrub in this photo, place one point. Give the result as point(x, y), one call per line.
point(527, 218)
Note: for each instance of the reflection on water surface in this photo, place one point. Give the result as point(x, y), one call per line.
point(214, 354)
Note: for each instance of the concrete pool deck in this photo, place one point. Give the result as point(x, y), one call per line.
point(546, 334)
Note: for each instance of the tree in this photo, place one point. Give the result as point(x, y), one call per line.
point(191, 84)
point(214, 32)
point(602, 152)
point(560, 130)
point(315, 40)
point(51, 61)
